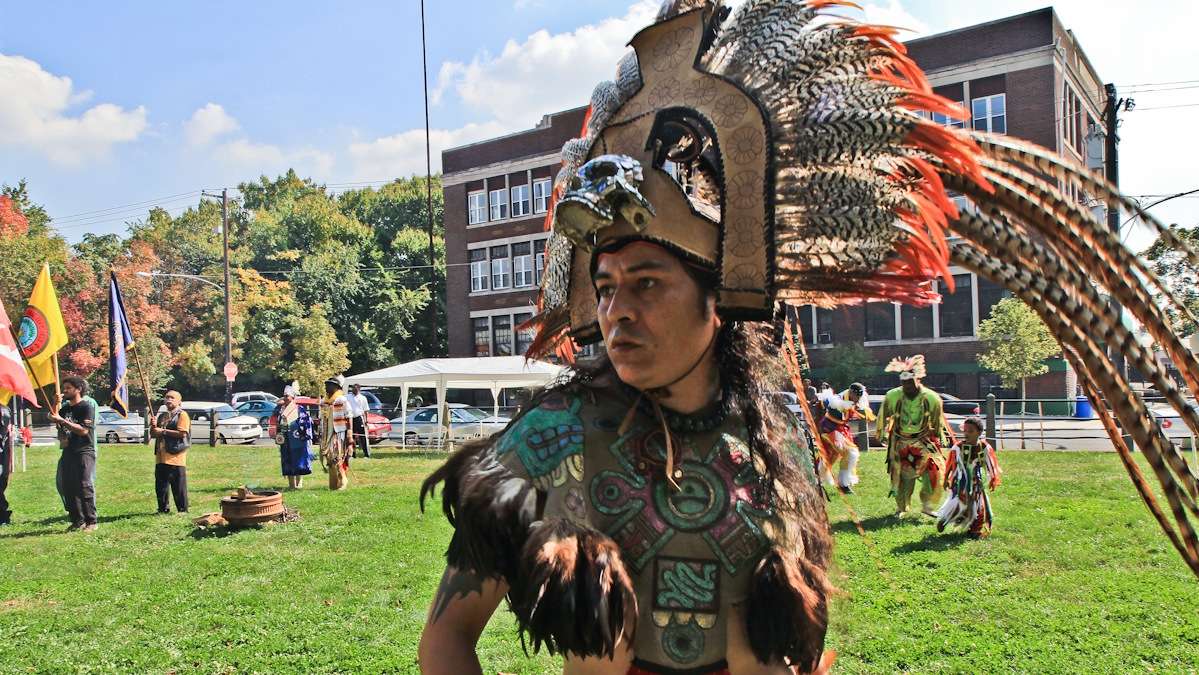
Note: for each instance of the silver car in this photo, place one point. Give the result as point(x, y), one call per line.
point(466, 422)
point(231, 426)
point(112, 428)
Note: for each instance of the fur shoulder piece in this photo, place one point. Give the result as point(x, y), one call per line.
point(572, 593)
point(490, 508)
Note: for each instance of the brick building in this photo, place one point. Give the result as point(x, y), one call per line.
point(496, 195)
point(1023, 75)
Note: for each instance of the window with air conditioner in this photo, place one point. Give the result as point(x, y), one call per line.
point(501, 330)
point(479, 276)
point(482, 330)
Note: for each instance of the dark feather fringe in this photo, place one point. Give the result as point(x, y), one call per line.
point(787, 613)
point(490, 508)
point(572, 593)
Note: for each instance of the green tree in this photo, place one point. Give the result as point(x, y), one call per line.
point(23, 253)
point(1179, 275)
point(1017, 343)
point(316, 352)
point(848, 363)
point(195, 364)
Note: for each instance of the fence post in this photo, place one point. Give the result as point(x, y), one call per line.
point(990, 406)
point(863, 436)
point(146, 427)
point(212, 427)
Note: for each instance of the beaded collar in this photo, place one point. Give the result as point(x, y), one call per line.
point(705, 419)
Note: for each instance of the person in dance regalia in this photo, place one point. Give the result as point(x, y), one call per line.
point(653, 511)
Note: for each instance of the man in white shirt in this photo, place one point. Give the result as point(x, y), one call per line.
point(359, 407)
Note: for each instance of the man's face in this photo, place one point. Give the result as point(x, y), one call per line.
point(356, 389)
point(173, 399)
point(854, 395)
point(330, 388)
point(971, 433)
point(69, 390)
point(911, 387)
point(655, 319)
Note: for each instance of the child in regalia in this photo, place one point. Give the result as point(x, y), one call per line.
point(971, 460)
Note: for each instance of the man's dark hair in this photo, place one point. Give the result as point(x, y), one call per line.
point(974, 422)
point(77, 382)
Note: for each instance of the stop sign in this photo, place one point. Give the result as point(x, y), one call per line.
point(230, 371)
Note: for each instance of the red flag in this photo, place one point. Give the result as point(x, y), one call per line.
point(13, 378)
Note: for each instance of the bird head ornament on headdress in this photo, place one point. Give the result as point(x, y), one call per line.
point(798, 161)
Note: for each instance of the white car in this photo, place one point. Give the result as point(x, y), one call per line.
point(112, 428)
point(243, 396)
point(231, 426)
point(466, 422)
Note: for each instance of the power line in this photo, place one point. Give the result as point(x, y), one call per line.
point(1165, 107)
point(124, 206)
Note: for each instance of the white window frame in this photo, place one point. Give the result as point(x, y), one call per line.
point(498, 203)
point(542, 189)
point(519, 197)
point(474, 334)
point(501, 273)
point(947, 121)
point(989, 115)
point(476, 207)
point(936, 337)
point(522, 269)
point(480, 279)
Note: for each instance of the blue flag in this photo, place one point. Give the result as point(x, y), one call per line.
point(120, 341)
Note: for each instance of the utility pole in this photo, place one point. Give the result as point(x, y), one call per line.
point(1111, 171)
point(424, 54)
point(228, 327)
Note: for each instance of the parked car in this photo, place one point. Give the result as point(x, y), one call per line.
point(112, 428)
point(377, 426)
point(950, 404)
point(466, 422)
point(1173, 425)
point(243, 396)
point(231, 426)
point(259, 410)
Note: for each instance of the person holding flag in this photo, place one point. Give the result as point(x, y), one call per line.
point(13, 381)
point(120, 341)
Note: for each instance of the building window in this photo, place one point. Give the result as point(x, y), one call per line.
point(957, 309)
point(990, 113)
point(522, 264)
point(501, 330)
point(541, 195)
point(524, 338)
point(520, 200)
point(482, 330)
point(945, 120)
point(476, 207)
point(988, 295)
point(816, 324)
point(539, 258)
point(880, 321)
point(478, 270)
point(499, 204)
point(501, 268)
point(915, 323)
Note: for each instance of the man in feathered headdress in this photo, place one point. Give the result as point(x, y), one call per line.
point(652, 513)
point(335, 433)
point(912, 426)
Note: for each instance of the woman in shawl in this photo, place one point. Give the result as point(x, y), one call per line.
point(293, 434)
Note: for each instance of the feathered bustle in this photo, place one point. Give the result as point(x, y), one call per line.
point(787, 610)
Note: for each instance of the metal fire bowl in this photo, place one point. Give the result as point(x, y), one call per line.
point(249, 508)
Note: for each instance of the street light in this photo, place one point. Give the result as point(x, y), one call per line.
point(228, 332)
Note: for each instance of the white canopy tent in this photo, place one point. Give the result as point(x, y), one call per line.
point(492, 373)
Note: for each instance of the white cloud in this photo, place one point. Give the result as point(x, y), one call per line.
point(403, 154)
point(264, 158)
point(893, 14)
point(544, 73)
point(34, 114)
point(208, 123)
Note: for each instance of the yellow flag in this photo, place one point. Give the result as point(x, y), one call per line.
point(42, 331)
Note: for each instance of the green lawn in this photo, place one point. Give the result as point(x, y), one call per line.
point(1075, 578)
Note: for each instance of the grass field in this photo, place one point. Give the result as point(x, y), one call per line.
point(1075, 579)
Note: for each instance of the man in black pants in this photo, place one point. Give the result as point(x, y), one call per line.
point(76, 420)
point(6, 461)
point(172, 428)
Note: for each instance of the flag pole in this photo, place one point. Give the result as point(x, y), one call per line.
point(57, 377)
point(141, 371)
point(29, 368)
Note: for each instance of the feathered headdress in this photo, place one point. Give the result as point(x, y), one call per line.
point(910, 368)
point(292, 389)
point(793, 158)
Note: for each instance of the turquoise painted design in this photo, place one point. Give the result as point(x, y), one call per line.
point(684, 643)
point(700, 501)
point(546, 436)
point(687, 585)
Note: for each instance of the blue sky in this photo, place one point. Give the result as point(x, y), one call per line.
point(108, 104)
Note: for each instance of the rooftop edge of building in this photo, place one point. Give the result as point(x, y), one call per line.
point(548, 136)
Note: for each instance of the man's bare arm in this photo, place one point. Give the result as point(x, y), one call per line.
point(463, 604)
